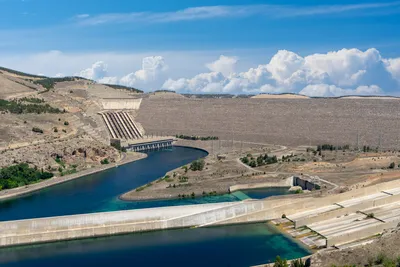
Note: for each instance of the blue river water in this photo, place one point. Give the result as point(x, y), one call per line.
point(242, 245)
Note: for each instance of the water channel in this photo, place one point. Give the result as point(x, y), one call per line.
point(242, 245)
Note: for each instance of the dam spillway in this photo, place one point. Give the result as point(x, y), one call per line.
point(121, 125)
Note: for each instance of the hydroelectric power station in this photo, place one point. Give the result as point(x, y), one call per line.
point(118, 116)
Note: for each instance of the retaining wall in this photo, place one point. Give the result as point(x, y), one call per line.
point(343, 211)
point(111, 223)
point(121, 103)
point(360, 234)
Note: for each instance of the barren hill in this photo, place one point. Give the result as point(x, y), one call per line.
point(44, 118)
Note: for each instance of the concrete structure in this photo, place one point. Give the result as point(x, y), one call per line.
point(121, 125)
point(121, 103)
point(336, 223)
point(149, 144)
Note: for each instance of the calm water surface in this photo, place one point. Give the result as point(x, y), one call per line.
point(242, 245)
point(99, 192)
point(234, 246)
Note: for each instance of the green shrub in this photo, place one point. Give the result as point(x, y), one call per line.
point(280, 262)
point(370, 215)
point(380, 258)
point(191, 137)
point(197, 165)
point(19, 107)
point(105, 161)
point(37, 130)
point(20, 175)
point(297, 263)
point(66, 123)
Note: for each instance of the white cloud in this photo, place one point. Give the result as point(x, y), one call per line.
point(225, 65)
point(209, 12)
point(96, 72)
point(358, 72)
point(153, 69)
point(346, 71)
point(59, 75)
point(149, 77)
point(393, 66)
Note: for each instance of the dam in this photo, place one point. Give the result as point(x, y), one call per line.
point(124, 130)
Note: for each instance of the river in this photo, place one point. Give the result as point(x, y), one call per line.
point(242, 245)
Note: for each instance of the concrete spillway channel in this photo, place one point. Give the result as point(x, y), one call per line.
point(131, 125)
point(121, 125)
point(112, 126)
point(110, 129)
point(116, 126)
point(134, 125)
point(353, 219)
point(339, 219)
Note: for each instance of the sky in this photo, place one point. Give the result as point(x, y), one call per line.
point(311, 47)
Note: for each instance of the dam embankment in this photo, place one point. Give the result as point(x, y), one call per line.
point(355, 224)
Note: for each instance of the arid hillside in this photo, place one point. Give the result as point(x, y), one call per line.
point(47, 119)
point(278, 121)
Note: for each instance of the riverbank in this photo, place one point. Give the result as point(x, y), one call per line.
point(20, 191)
point(221, 171)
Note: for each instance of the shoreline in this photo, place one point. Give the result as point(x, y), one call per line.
point(193, 144)
point(219, 190)
point(25, 190)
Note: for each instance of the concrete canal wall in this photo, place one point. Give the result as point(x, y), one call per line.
point(316, 213)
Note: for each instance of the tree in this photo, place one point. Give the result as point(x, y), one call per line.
point(392, 165)
point(280, 262)
point(20, 175)
point(260, 160)
point(197, 165)
point(297, 263)
point(37, 130)
point(105, 161)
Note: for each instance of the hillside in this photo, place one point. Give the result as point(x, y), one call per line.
point(52, 123)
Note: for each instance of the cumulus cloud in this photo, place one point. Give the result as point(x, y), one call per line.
point(152, 71)
point(224, 65)
point(150, 77)
point(96, 72)
point(343, 72)
point(393, 66)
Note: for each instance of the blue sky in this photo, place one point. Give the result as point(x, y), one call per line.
point(189, 34)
